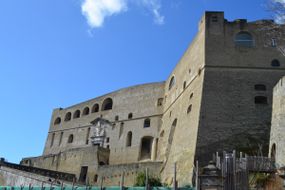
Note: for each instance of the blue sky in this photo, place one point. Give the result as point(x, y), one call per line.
point(52, 54)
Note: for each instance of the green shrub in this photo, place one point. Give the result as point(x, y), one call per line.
point(152, 180)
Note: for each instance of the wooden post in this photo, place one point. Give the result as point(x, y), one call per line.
point(197, 176)
point(101, 183)
point(73, 182)
point(174, 178)
point(122, 181)
point(146, 179)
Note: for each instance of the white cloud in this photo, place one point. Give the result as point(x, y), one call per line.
point(154, 6)
point(96, 11)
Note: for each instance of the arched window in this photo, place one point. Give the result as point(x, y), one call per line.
point(146, 123)
point(171, 83)
point(86, 111)
point(67, 117)
point(116, 118)
point(57, 121)
point(273, 152)
point(70, 139)
point(76, 114)
point(260, 87)
point(191, 95)
point(107, 104)
point(189, 109)
point(244, 39)
point(129, 139)
point(260, 100)
point(275, 63)
point(95, 108)
point(174, 123)
point(130, 116)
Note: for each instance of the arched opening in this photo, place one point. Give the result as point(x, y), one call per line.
point(171, 83)
point(107, 104)
point(130, 116)
point(76, 114)
point(260, 87)
point(275, 63)
point(129, 139)
point(184, 85)
point(95, 108)
point(95, 178)
point(70, 139)
point(273, 152)
point(57, 121)
point(86, 111)
point(146, 145)
point(116, 118)
point(67, 116)
point(244, 39)
point(146, 123)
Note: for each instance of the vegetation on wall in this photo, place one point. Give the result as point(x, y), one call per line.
point(152, 180)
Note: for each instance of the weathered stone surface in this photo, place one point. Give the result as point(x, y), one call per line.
point(207, 104)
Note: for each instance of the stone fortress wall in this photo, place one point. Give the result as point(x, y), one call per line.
point(217, 98)
point(277, 143)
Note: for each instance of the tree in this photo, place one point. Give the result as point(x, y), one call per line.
point(277, 8)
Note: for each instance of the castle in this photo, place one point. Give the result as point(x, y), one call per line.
point(218, 97)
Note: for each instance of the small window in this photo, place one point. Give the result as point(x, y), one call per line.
point(171, 83)
point(85, 111)
point(214, 19)
point(57, 121)
point(260, 87)
point(107, 104)
point(67, 117)
point(273, 42)
point(70, 139)
point(129, 139)
point(260, 100)
point(184, 85)
point(244, 39)
point(170, 113)
point(159, 101)
point(130, 116)
point(95, 108)
point(189, 71)
point(189, 109)
point(146, 123)
point(191, 95)
point(76, 114)
point(116, 118)
point(162, 133)
point(275, 63)
point(108, 146)
point(107, 139)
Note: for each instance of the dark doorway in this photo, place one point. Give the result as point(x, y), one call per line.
point(83, 174)
point(146, 144)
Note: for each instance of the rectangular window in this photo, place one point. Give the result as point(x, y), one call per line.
point(214, 19)
point(273, 42)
